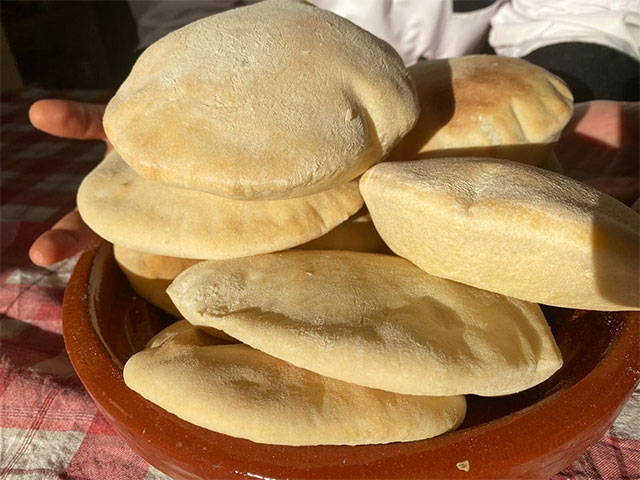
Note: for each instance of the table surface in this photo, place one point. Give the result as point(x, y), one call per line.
point(49, 426)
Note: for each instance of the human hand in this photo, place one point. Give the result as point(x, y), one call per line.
point(600, 146)
point(66, 119)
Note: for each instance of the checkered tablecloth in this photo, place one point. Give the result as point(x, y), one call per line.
point(49, 426)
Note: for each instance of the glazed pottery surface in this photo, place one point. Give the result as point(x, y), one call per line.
point(532, 434)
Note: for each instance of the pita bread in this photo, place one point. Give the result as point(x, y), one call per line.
point(357, 234)
point(149, 275)
point(372, 320)
point(139, 214)
point(239, 391)
point(275, 100)
point(509, 228)
point(487, 106)
point(183, 333)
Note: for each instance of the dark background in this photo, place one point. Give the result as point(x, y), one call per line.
point(67, 44)
point(85, 44)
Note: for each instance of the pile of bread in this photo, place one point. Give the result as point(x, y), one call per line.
point(250, 139)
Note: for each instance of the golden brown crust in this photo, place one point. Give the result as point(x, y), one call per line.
point(486, 106)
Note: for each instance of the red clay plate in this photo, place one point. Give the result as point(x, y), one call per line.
point(532, 434)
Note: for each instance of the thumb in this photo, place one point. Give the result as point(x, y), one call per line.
point(66, 238)
point(68, 119)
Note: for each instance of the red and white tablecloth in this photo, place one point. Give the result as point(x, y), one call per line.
point(49, 426)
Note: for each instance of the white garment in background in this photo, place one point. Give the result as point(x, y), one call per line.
point(522, 26)
point(430, 29)
point(418, 28)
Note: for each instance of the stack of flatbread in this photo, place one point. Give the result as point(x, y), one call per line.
point(245, 145)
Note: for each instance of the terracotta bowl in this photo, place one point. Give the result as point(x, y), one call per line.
point(533, 434)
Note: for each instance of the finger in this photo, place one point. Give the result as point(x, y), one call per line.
point(597, 119)
point(601, 139)
point(68, 119)
point(66, 238)
point(606, 121)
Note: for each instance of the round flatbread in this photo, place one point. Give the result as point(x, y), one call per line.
point(183, 333)
point(509, 228)
point(139, 214)
point(239, 391)
point(357, 234)
point(149, 275)
point(487, 106)
point(373, 320)
point(275, 100)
